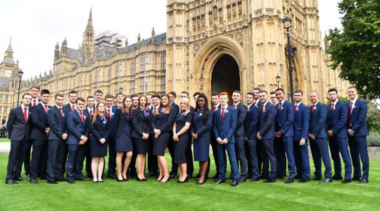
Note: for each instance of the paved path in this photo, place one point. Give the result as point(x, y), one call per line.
point(5, 147)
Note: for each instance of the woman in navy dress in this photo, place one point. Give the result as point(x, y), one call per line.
point(123, 136)
point(162, 125)
point(201, 132)
point(141, 119)
point(99, 127)
point(181, 137)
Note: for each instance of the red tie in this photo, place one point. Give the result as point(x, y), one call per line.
point(279, 106)
point(332, 107)
point(222, 112)
point(154, 110)
point(295, 107)
point(247, 108)
point(81, 117)
point(254, 103)
point(26, 114)
point(60, 111)
point(90, 112)
point(109, 114)
point(262, 108)
point(349, 116)
point(234, 105)
point(46, 107)
point(214, 110)
point(312, 108)
point(73, 108)
point(34, 103)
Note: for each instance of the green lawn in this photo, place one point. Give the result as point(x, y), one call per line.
point(4, 140)
point(151, 195)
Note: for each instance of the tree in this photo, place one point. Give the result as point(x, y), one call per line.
point(356, 48)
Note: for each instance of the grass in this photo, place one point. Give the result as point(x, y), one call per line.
point(151, 195)
point(4, 140)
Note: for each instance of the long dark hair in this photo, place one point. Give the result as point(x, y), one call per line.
point(167, 109)
point(205, 110)
point(124, 108)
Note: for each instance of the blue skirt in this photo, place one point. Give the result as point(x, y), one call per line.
point(201, 149)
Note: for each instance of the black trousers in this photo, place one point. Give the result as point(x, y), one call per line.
point(262, 159)
point(189, 158)
point(15, 160)
point(249, 158)
point(132, 165)
point(268, 145)
point(112, 157)
point(38, 165)
point(55, 159)
point(27, 146)
point(171, 151)
point(152, 159)
point(88, 159)
point(65, 158)
point(215, 153)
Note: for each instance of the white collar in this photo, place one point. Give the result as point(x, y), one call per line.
point(282, 102)
point(78, 111)
point(315, 104)
point(335, 102)
point(89, 108)
point(236, 104)
point(58, 106)
point(225, 107)
point(249, 106)
point(265, 103)
point(43, 104)
point(217, 105)
point(354, 101)
point(23, 107)
point(71, 105)
point(298, 104)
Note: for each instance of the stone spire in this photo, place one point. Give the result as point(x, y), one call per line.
point(138, 40)
point(153, 36)
point(126, 45)
point(9, 49)
point(89, 22)
point(56, 51)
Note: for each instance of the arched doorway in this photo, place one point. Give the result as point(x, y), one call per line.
point(225, 75)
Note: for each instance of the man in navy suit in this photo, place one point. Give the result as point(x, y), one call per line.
point(88, 112)
point(57, 137)
point(224, 127)
point(267, 133)
point(241, 112)
point(69, 107)
point(39, 137)
point(337, 131)
point(300, 145)
point(357, 135)
point(174, 170)
point(78, 136)
point(250, 131)
point(214, 144)
point(110, 112)
point(152, 160)
point(284, 129)
point(119, 100)
point(98, 97)
point(19, 128)
point(318, 138)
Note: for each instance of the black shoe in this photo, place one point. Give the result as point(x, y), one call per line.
point(186, 180)
point(346, 181)
point(140, 180)
point(200, 183)
point(19, 179)
point(82, 179)
point(303, 180)
point(52, 182)
point(28, 177)
point(165, 181)
point(255, 179)
point(216, 176)
point(230, 177)
point(173, 176)
point(263, 177)
point(279, 177)
point(121, 180)
point(198, 176)
point(71, 181)
point(356, 179)
point(189, 176)
point(126, 179)
point(234, 183)
point(33, 181)
point(10, 182)
point(316, 178)
point(298, 177)
point(243, 179)
point(249, 176)
point(269, 180)
point(111, 177)
point(327, 180)
point(159, 180)
point(43, 178)
point(61, 179)
point(335, 177)
point(290, 180)
point(219, 181)
point(363, 181)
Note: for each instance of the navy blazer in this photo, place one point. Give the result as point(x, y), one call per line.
point(40, 122)
point(85, 111)
point(199, 126)
point(251, 121)
point(225, 128)
point(99, 129)
point(121, 122)
point(57, 124)
point(17, 128)
point(66, 109)
point(285, 118)
point(140, 126)
point(164, 122)
point(267, 121)
point(176, 109)
point(337, 119)
point(318, 121)
point(241, 112)
point(301, 122)
point(358, 117)
point(75, 127)
point(111, 127)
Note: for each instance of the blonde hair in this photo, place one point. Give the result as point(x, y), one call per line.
point(187, 104)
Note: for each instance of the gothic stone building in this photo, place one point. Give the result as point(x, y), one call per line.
point(209, 46)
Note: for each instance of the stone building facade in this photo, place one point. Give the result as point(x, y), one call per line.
point(209, 46)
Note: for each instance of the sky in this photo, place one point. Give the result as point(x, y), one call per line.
point(36, 26)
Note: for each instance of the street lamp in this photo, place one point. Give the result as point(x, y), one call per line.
point(121, 89)
point(278, 79)
point(19, 86)
point(287, 25)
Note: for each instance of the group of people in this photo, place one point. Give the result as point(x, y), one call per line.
point(135, 133)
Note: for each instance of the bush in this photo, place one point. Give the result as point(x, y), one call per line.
point(373, 140)
point(373, 118)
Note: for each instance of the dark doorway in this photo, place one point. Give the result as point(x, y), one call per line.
point(225, 76)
